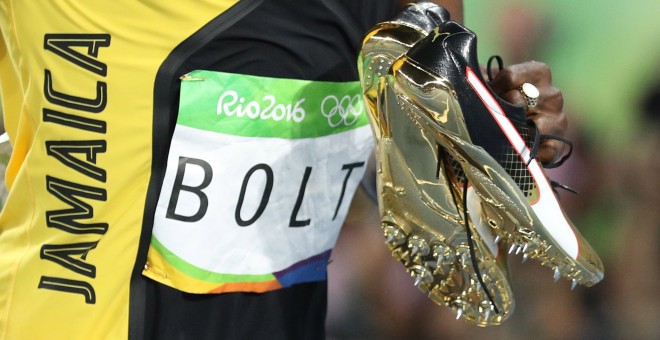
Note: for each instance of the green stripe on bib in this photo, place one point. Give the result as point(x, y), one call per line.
point(252, 106)
point(206, 275)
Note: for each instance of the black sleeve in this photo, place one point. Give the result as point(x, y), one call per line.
point(299, 39)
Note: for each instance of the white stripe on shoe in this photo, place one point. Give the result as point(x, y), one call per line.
point(546, 207)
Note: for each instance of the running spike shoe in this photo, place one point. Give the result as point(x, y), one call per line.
point(490, 144)
point(389, 40)
point(450, 253)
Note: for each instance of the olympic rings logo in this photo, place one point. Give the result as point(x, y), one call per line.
point(345, 112)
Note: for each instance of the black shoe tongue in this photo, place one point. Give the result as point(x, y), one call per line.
point(434, 51)
point(438, 14)
point(424, 15)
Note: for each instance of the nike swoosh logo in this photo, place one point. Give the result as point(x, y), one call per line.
point(546, 207)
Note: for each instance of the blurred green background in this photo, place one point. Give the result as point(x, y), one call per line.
point(603, 54)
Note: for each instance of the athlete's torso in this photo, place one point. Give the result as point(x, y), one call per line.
point(90, 91)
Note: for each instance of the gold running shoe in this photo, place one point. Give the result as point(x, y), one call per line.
point(492, 145)
point(432, 223)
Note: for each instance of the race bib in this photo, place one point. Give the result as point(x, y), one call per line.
point(260, 176)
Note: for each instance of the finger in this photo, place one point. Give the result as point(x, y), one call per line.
point(550, 99)
point(550, 151)
point(513, 96)
point(513, 76)
point(554, 123)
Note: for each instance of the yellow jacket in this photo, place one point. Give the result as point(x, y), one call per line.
point(71, 226)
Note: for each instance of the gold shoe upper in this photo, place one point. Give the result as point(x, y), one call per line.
point(421, 207)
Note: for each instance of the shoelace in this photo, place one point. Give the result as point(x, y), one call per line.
point(473, 255)
point(470, 241)
point(538, 138)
